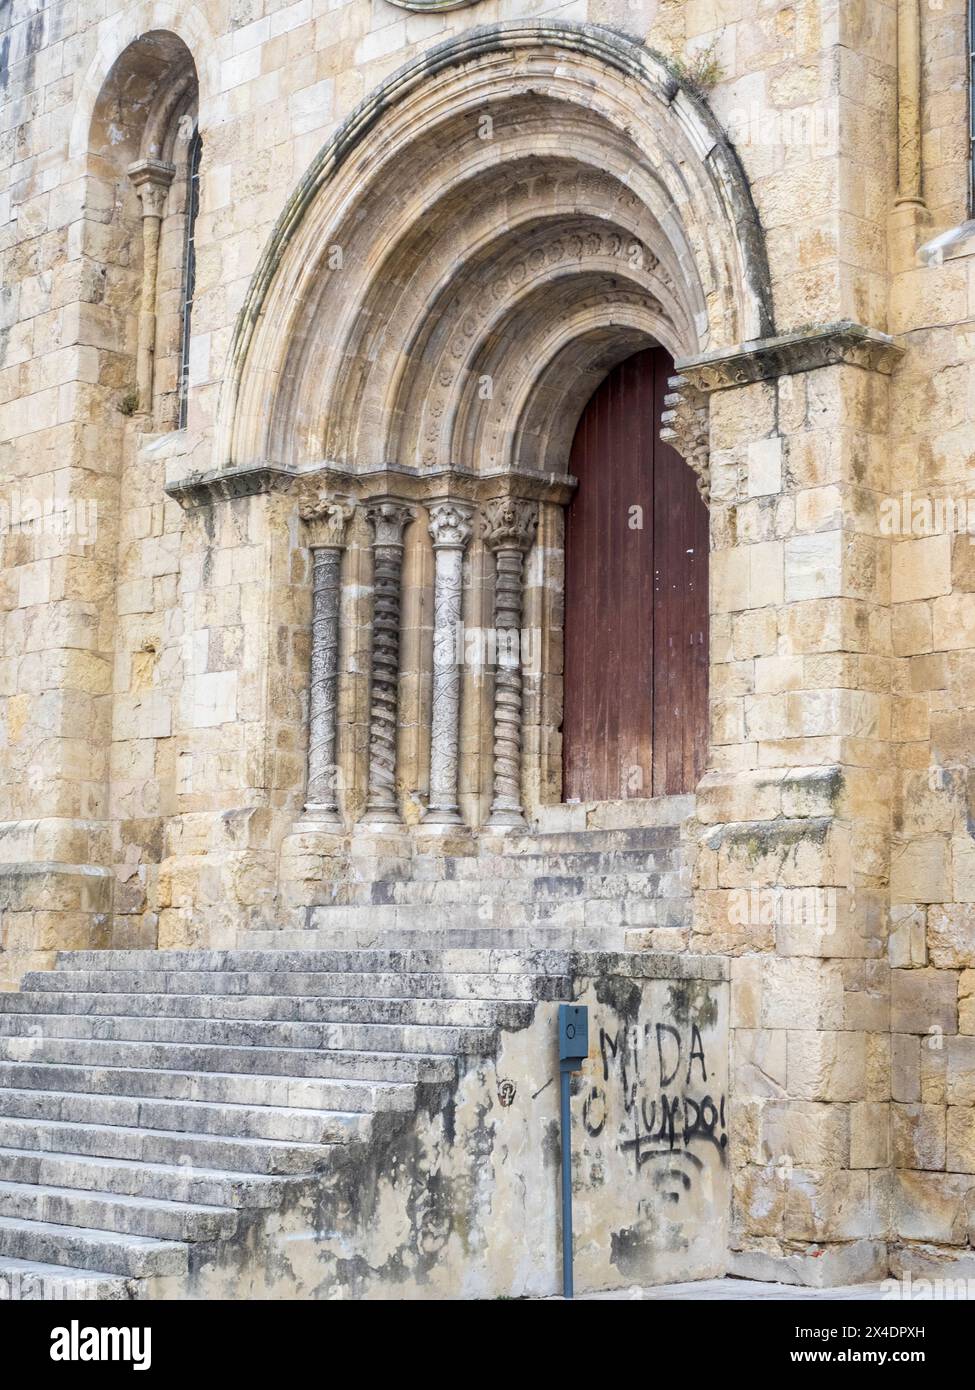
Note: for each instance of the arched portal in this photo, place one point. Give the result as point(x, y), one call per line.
point(450, 274)
point(498, 227)
point(636, 598)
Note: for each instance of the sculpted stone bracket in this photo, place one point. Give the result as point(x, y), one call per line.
point(224, 484)
point(684, 426)
point(684, 422)
point(845, 343)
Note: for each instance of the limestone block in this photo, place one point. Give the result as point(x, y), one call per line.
point(961, 1139)
point(951, 935)
point(827, 1065)
point(906, 1067)
point(810, 1135)
point(917, 1136)
point(759, 1062)
point(932, 1206)
point(919, 871)
point(922, 1001)
point(906, 941)
point(869, 1135)
point(920, 569)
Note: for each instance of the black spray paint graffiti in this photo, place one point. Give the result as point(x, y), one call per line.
point(670, 1115)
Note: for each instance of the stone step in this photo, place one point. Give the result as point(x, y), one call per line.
point(217, 1087)
point(546, 942)
point(22, 1280)
point(177, 970)
point(515, 902)
point(134, 1178)
point(138, 1216)
point(642, 837)
point(328, 1064)
point(379, 1037)
point(289, 985)
point(226, 1121)
point(599, 915)
point(584, 864)
point(269, 1156)
point(487, 1013)
point(108, 1252)
point(631, 813)
point(493, 957)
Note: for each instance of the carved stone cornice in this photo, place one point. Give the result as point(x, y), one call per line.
point(426, 486)
point(684, 426)
point(509, 523)
point(409, 486)
point(844, 343)
point(450, 524)
point(152, 178)
point(222, 484)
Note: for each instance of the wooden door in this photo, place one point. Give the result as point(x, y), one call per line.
point(636, 598)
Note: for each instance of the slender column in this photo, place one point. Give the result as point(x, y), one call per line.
point(388, 517)
point(152, 179)
point(909, 103)
point(450, 528)
point(509, 529)
point(329, 518)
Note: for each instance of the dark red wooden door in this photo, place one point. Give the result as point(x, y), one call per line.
point(636, 598)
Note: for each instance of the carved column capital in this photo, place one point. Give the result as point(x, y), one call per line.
point(389, 517)
point(450, 524)
point(152, 178)
point(684, 426)
point(327, 516)
point(509, 523)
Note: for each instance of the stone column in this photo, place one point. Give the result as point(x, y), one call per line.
point(909, 103)
point(151, 178)
point(329, 518)
point(509, 529)
point(388, 517)
point(450, 529)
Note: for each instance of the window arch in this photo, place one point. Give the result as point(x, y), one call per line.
point(144, 154)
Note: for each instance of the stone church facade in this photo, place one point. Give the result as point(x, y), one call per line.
point(306, 308)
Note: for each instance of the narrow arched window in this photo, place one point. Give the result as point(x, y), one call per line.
point(189, 269)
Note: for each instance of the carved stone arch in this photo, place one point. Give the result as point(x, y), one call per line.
point(301, 317)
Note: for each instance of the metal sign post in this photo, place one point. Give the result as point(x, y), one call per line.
point(573, 1051)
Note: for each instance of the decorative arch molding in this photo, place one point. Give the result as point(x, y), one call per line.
point(584, 186)
point(181, 18)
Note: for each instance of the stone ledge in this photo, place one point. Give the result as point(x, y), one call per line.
point(764, 359)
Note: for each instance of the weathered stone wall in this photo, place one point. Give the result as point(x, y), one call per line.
point(463, 1199)
point(932, 941)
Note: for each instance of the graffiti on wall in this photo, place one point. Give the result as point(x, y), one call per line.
point(656, 1088)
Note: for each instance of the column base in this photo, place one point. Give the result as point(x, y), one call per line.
point(316, 816)
point(383, 818)
point(506, 820)
point(446, 818)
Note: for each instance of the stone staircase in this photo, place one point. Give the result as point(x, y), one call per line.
point(162, 1111)
point(612, 889)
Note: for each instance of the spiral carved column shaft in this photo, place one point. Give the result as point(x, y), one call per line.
point(327, 518)
point(322, 799)
point(450, 529)
point(388, 519)
point(509, 531)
